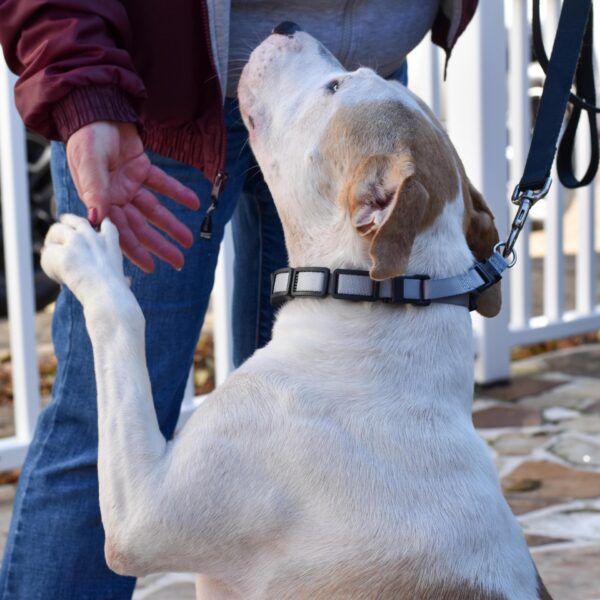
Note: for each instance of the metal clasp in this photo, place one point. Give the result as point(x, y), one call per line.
point(525, 200)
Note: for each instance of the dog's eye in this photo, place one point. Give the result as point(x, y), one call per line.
point(333, 86)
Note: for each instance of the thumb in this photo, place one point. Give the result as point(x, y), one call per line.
point(88, 154)
point(97, 204)
point(93, 191)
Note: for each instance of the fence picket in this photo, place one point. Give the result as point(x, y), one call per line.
point(519, 120)
point(19, 273)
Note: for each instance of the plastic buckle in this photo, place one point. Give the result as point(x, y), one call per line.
point(293, 282)
point(279, 298)
point(333, 286)
point(473, 298)
point(398, 296)
point(488, 272)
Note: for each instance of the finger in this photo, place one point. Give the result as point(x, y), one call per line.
point(92, 183)
point(130, 245)
point(58, 234)
point(151, 239)
point(149, 205)
point(98, 207)
point(158, 181)
point(93, 216)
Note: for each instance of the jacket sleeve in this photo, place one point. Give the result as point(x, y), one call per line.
point(452, 19)
point(73, 64)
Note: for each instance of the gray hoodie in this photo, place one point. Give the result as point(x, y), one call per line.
point(369, 33)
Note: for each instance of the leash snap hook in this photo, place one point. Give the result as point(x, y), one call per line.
point(525, 200)
point(533, 194)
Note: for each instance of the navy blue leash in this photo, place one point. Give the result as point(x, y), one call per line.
point(571, 58)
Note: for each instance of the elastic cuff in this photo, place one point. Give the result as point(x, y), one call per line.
point(89, 104)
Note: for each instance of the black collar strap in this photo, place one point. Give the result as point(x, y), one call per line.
point(419, 290)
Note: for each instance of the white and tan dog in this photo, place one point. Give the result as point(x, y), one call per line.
point(340, 462)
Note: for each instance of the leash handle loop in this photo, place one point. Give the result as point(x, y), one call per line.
point(573, 22)
point(542, 58)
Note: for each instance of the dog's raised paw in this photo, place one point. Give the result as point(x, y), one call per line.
point(76, 255)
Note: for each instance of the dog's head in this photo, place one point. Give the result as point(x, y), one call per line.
point(362, 173)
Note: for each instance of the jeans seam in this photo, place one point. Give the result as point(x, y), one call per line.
point(42, 447)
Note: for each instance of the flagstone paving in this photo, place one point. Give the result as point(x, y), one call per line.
point(550, 470)
point(543, 431)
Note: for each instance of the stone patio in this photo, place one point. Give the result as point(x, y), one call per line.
point(544, 433)
point(543, 430)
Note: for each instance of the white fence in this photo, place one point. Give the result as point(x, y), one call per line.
point(484, 105)
point(487, 112)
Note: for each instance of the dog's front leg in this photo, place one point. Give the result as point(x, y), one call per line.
point(184, 505)
point(131, 446)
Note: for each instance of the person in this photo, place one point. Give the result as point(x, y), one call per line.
point(138, 97)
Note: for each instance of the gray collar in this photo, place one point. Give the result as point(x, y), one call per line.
point(419, 290)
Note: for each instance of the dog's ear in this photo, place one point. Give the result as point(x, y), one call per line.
point(482, 236)
point(387, 205)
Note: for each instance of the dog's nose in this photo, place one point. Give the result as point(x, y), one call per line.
point(286, 28)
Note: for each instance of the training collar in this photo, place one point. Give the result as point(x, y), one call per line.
point(418, 290)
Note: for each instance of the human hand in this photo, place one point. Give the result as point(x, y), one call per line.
point(114, 178)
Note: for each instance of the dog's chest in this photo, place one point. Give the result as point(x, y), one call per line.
point(368, 500)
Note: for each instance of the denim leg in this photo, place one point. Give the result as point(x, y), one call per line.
point(55, 546)
point(401, 74)
point(259, 250)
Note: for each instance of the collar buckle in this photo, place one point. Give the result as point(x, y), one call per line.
point(403, 294)
point(281, 286)
point(490, 270)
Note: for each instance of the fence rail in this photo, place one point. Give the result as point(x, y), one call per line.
point(487, 110)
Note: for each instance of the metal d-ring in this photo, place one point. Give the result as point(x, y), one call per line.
point(513, 253)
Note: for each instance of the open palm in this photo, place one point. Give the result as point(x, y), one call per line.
point(115, 178)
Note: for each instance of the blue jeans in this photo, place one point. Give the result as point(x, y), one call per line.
point(55, 545)
point(259, 250)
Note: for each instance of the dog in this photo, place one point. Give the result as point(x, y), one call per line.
point(339, 462)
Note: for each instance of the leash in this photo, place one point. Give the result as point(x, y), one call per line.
point(574, 37)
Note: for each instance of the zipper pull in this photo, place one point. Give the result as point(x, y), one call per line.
point(206, 227)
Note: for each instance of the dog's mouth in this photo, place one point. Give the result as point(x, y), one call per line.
point(251, 122)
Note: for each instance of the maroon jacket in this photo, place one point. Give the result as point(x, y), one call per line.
point(144, 61)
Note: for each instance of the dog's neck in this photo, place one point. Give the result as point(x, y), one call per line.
point(379, 343)
point(374, 348)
